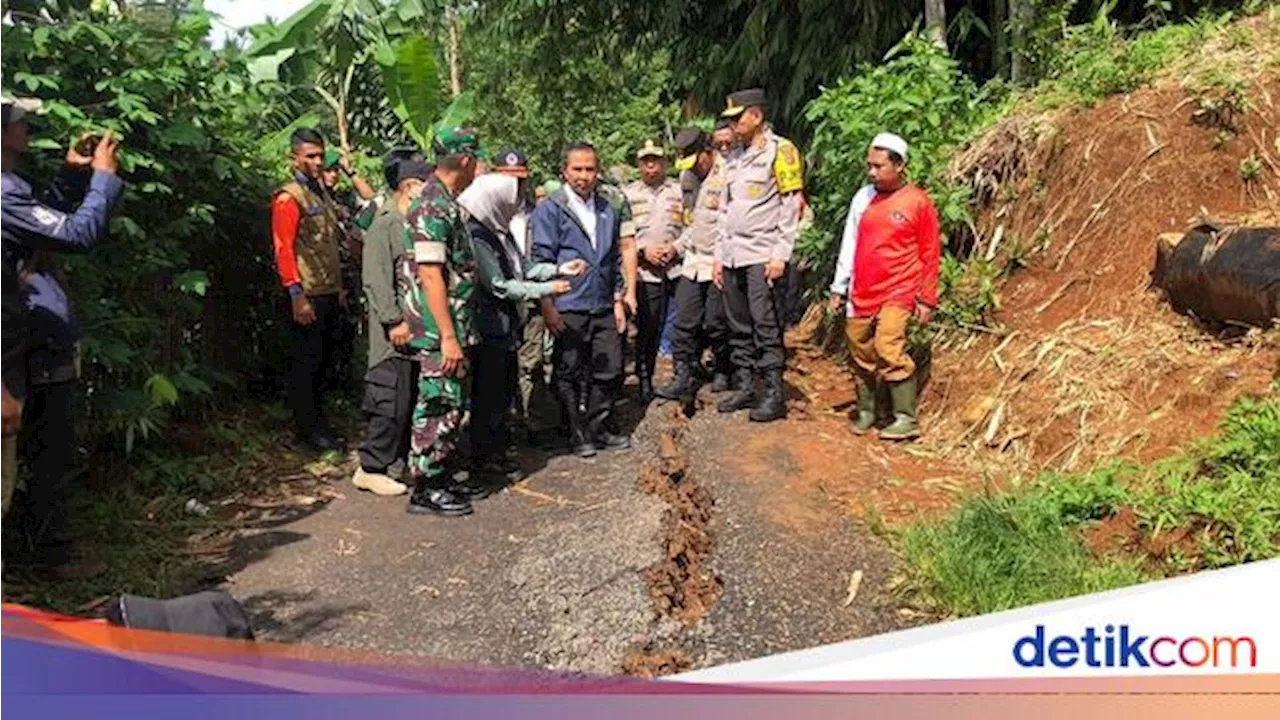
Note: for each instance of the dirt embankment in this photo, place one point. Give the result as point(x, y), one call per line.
point(1092, 364)
point(1085, 362)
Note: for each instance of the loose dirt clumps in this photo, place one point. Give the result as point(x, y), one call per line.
point(1125, 532)
point(651, 662)
point(681, 585)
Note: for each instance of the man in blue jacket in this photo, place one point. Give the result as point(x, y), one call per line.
point(575, 223)
point(31, 231)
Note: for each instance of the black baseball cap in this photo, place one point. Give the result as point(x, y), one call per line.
point(394, 158)
point(511, 162)
point(412, 169)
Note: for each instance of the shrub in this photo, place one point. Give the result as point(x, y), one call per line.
point(181, 295)
point(1005, 549)
point(920, 93)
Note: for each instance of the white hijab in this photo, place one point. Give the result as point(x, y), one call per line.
point(493, 200)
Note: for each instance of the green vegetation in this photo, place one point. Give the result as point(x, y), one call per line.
point(185, 275)
point(1066, 535)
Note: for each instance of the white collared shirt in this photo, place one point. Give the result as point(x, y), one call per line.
point(585, 211)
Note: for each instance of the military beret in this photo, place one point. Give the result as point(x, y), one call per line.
point(457, 141)
point(741, 100)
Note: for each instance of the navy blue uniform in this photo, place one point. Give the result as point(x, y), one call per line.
point(30, 230)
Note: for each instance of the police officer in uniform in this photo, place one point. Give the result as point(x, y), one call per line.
point(31, 230)
point(700, 318)
point(757, 231)
point(658, 215)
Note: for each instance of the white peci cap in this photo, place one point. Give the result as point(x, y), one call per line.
point(889, 141)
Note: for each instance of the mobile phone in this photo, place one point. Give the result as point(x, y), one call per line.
point(86, 146)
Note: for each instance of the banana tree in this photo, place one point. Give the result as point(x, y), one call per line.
point(371, 62)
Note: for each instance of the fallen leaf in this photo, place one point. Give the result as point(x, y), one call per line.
point(855, 581)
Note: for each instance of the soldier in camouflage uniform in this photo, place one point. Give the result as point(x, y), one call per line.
point(440, 272)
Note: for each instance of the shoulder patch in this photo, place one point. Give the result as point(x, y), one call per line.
point(787, 167)
point(46, 217)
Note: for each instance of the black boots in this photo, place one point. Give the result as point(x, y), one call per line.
point(645, 393)
point(773, 405)
point(579, 438)
point(722, 369)
point(720, 382)
point(681, 385)
point(600, 420)
point(742, 398)
point(429, 498)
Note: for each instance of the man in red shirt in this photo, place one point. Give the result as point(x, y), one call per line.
point(888, 270)
point(306, 231)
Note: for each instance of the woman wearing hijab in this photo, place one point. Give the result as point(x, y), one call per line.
point(506, 282)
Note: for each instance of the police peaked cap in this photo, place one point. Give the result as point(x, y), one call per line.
point(741, 100)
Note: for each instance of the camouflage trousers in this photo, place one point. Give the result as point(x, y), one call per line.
point(437, 418)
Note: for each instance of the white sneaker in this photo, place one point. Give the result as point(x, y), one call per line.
point(377, 483)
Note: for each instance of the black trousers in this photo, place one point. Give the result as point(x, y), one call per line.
point(651, 315)
point(495, 383)
point(314, 348)
point(700, 323)
point(754, 311)
point(390, 391)
point(48, 444)
point(588, 362)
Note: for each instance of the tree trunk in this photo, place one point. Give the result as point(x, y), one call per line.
point(455, 63)
point(1017, 22)
point(935, 22)
point(1000, 36)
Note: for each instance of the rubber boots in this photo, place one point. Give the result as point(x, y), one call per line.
point(579, 439)
point(773, 406)
point(865, 421)
point(682, 384)
point(904, 426)
point(742, 398)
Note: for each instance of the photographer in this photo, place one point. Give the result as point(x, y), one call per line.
point(31, 231)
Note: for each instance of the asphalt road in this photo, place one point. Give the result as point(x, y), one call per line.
point(551, 573)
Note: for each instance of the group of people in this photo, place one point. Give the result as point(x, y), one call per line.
point(477, 282)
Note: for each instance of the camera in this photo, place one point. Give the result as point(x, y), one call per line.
point(86, 146)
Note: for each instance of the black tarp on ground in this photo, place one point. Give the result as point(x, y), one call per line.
point(1231, 275)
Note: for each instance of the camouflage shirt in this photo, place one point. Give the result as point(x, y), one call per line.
point(437, 235)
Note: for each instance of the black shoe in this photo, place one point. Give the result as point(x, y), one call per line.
point(606, 440)
point(720, 382)
point(583, 448)
point(437, 501)
point(742, 398)
point(506, 470)
point(773, 406)
point(680, 386)
point(645, 394)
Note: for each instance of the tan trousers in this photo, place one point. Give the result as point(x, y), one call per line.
point(9, 473)
point(879, 344)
